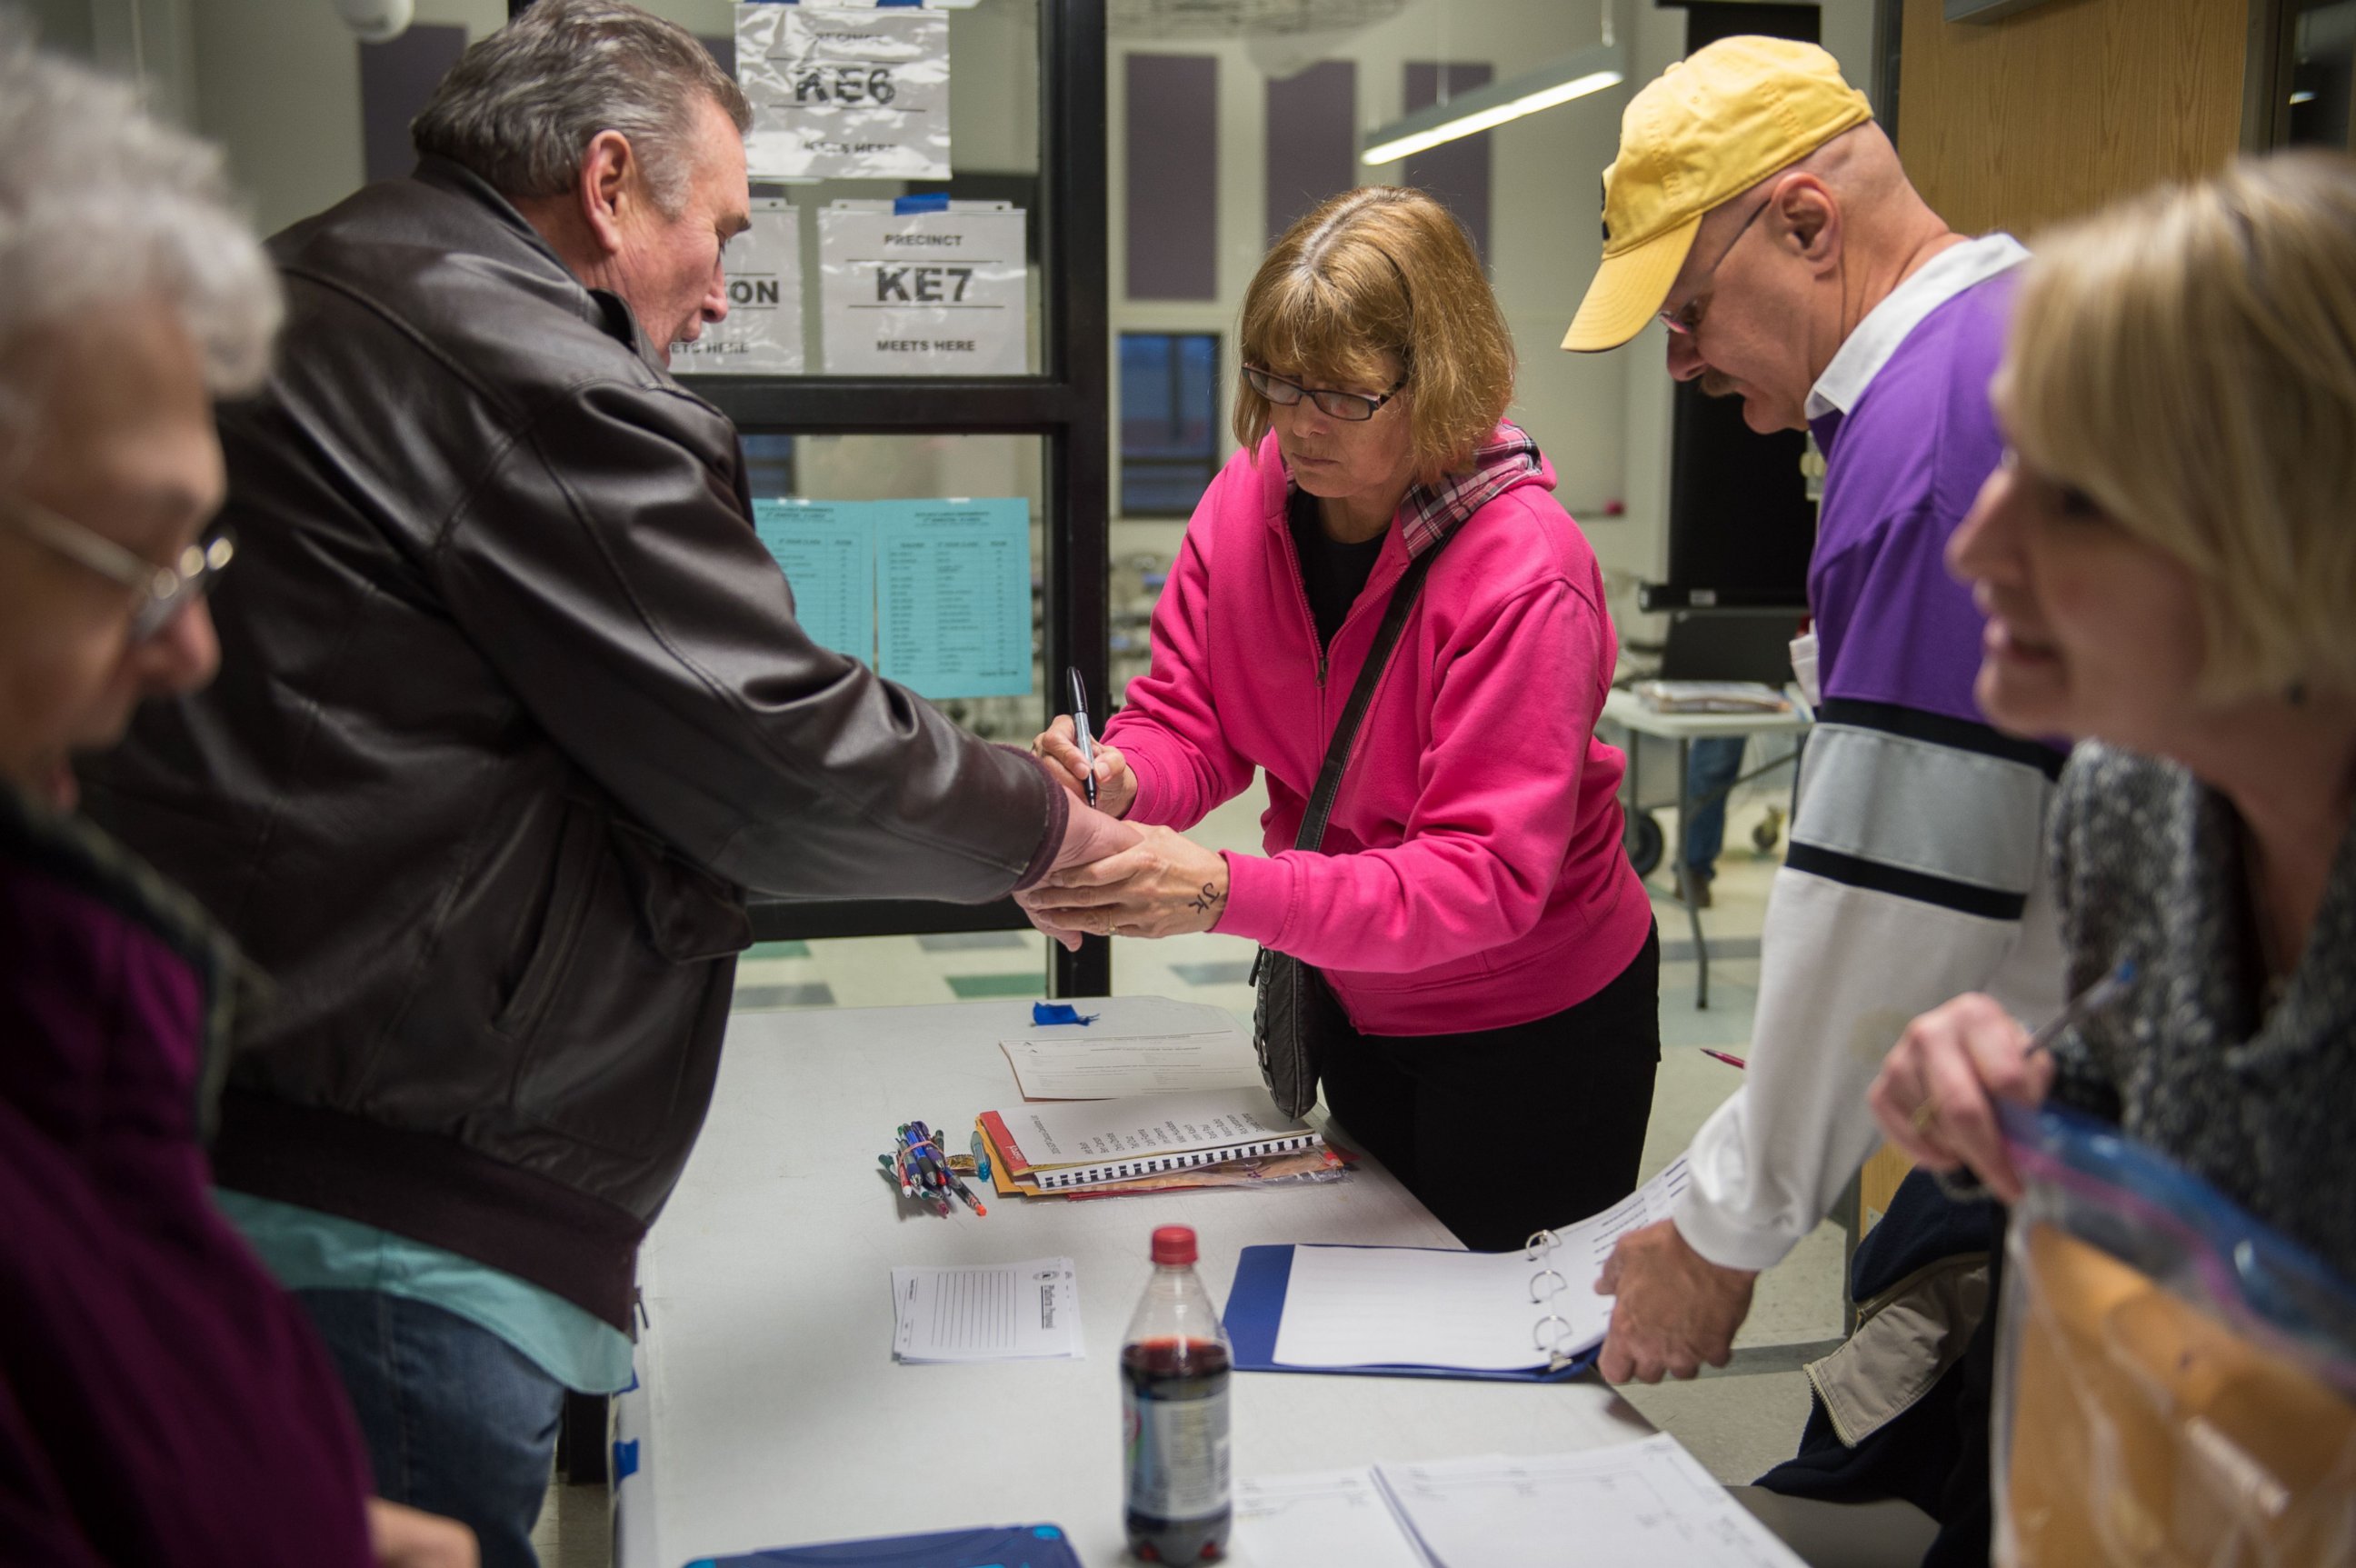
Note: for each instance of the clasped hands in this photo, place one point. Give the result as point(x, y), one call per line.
point(1162, 885)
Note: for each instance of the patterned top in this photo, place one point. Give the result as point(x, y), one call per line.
point(2258, 1100)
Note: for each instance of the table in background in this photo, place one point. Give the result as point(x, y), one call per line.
point(769, 1411)
point(1628, 710)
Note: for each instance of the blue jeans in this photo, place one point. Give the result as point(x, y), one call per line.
point(1716, 763)
point(458, 1422)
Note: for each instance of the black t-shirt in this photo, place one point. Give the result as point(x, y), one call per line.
point(1335, 573)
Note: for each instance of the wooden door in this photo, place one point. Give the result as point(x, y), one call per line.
point(2055, 110)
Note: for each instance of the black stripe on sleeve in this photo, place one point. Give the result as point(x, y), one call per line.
point(1916, 724)
point(1988, 903)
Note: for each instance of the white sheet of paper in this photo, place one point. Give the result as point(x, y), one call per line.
point(1636, 1505)
point(986, 1312)
point(1370, 1306)
point(1148, 1064)
point(1332, 1518)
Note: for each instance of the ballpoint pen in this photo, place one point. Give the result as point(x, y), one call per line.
point(2095, 997)
point(1080, 729)
point(1730, 1062)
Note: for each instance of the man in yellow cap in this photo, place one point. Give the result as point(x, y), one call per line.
point(1757, 211)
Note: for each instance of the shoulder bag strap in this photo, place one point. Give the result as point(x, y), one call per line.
point(1362, 695)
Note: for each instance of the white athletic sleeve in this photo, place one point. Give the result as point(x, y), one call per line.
point(1917, 871)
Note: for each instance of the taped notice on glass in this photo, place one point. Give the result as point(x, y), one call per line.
point(762, 334)
point(940, 292)
point(844, 91)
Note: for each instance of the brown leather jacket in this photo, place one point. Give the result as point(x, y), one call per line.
point(512, 708)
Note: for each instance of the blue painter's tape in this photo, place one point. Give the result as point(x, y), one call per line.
point(625, 1459)
point(932, 202)
point(1060, 1013)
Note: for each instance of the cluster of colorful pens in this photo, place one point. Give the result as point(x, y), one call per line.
point(922, 1169)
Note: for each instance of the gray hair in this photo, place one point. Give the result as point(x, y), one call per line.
point(101, 203)
point(521, 106)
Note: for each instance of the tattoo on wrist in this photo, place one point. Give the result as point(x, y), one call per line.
point(1211, 897)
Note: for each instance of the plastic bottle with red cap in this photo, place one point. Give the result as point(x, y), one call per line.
point(1174, 1368)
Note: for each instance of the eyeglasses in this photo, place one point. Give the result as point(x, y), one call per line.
point(1684, 320)
point(160, 592)
point(1355, 407)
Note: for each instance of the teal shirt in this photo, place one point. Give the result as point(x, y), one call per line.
point(310, 1250)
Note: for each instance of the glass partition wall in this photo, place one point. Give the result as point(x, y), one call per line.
point(928, 434)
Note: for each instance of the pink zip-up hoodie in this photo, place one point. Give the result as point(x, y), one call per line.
point(1472, 875)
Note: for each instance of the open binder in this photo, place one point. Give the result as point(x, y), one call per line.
point(1424, 1312)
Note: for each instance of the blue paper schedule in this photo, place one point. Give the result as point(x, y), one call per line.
point(953, 593)
point(827, 552)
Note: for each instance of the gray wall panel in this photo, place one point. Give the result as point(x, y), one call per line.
point(1174, 176)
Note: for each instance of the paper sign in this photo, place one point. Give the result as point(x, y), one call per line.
point(953, 596)
point(762, 334)
point(937, 293)
point(828, 550)
point(845, 93)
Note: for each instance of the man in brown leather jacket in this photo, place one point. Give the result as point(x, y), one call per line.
point(516, 709)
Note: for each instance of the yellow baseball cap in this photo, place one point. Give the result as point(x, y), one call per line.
point(1715, 124)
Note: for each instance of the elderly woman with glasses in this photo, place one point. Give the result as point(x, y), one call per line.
point(161, 1401)
point(2168, 565)
point(1469, 908)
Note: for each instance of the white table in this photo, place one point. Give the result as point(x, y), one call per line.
point(1624, 708)
point(769, 1410)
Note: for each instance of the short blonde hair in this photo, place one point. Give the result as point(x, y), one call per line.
point(2188, 360)
point(1377, 272)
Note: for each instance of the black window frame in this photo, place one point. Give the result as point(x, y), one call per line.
point(1067, 404)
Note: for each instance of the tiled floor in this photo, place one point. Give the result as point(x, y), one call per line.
point(1737, 1422)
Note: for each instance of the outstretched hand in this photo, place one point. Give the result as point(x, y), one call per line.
point(1676, 1311)
point(1163, 885)
point(1089, 836)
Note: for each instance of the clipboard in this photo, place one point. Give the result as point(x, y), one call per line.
point(1256, 1306)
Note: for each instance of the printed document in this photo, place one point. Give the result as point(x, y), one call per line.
point(1112, 1069)
point(1646, 1504)
point(1379, 1307)
point(986, 1312)
point(1333, 1518)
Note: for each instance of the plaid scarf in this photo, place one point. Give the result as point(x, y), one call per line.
point(1431, 514)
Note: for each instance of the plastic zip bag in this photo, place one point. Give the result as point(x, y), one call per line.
point(2176, 1384)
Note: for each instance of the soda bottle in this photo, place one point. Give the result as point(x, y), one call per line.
point(1173, 1369)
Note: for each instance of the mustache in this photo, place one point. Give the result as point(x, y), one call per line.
point(1714, 384)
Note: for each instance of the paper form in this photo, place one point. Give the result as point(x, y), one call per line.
point(1375, 1306)
point(1150, 1064)
point(1333, 1518)
point(1634, 1505)
point(986, 1312)
point(953, 596)
point(827, 552)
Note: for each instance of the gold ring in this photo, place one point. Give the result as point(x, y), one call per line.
point(1924, 1114)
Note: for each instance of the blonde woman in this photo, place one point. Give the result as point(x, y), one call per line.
point(1484, 936)
point(2169, 563)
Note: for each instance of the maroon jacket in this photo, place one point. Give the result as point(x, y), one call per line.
point(162, 1401)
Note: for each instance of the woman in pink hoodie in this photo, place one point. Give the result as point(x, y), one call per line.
point(1490, 947)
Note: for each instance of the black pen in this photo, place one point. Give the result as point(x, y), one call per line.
point(1080, 726)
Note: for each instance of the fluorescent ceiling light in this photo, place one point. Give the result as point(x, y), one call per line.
point(1484, 108)
point(2305, 95)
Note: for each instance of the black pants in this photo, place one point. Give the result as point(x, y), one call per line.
point(1503, 1132)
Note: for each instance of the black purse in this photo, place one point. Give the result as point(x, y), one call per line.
point(1293, 1011)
